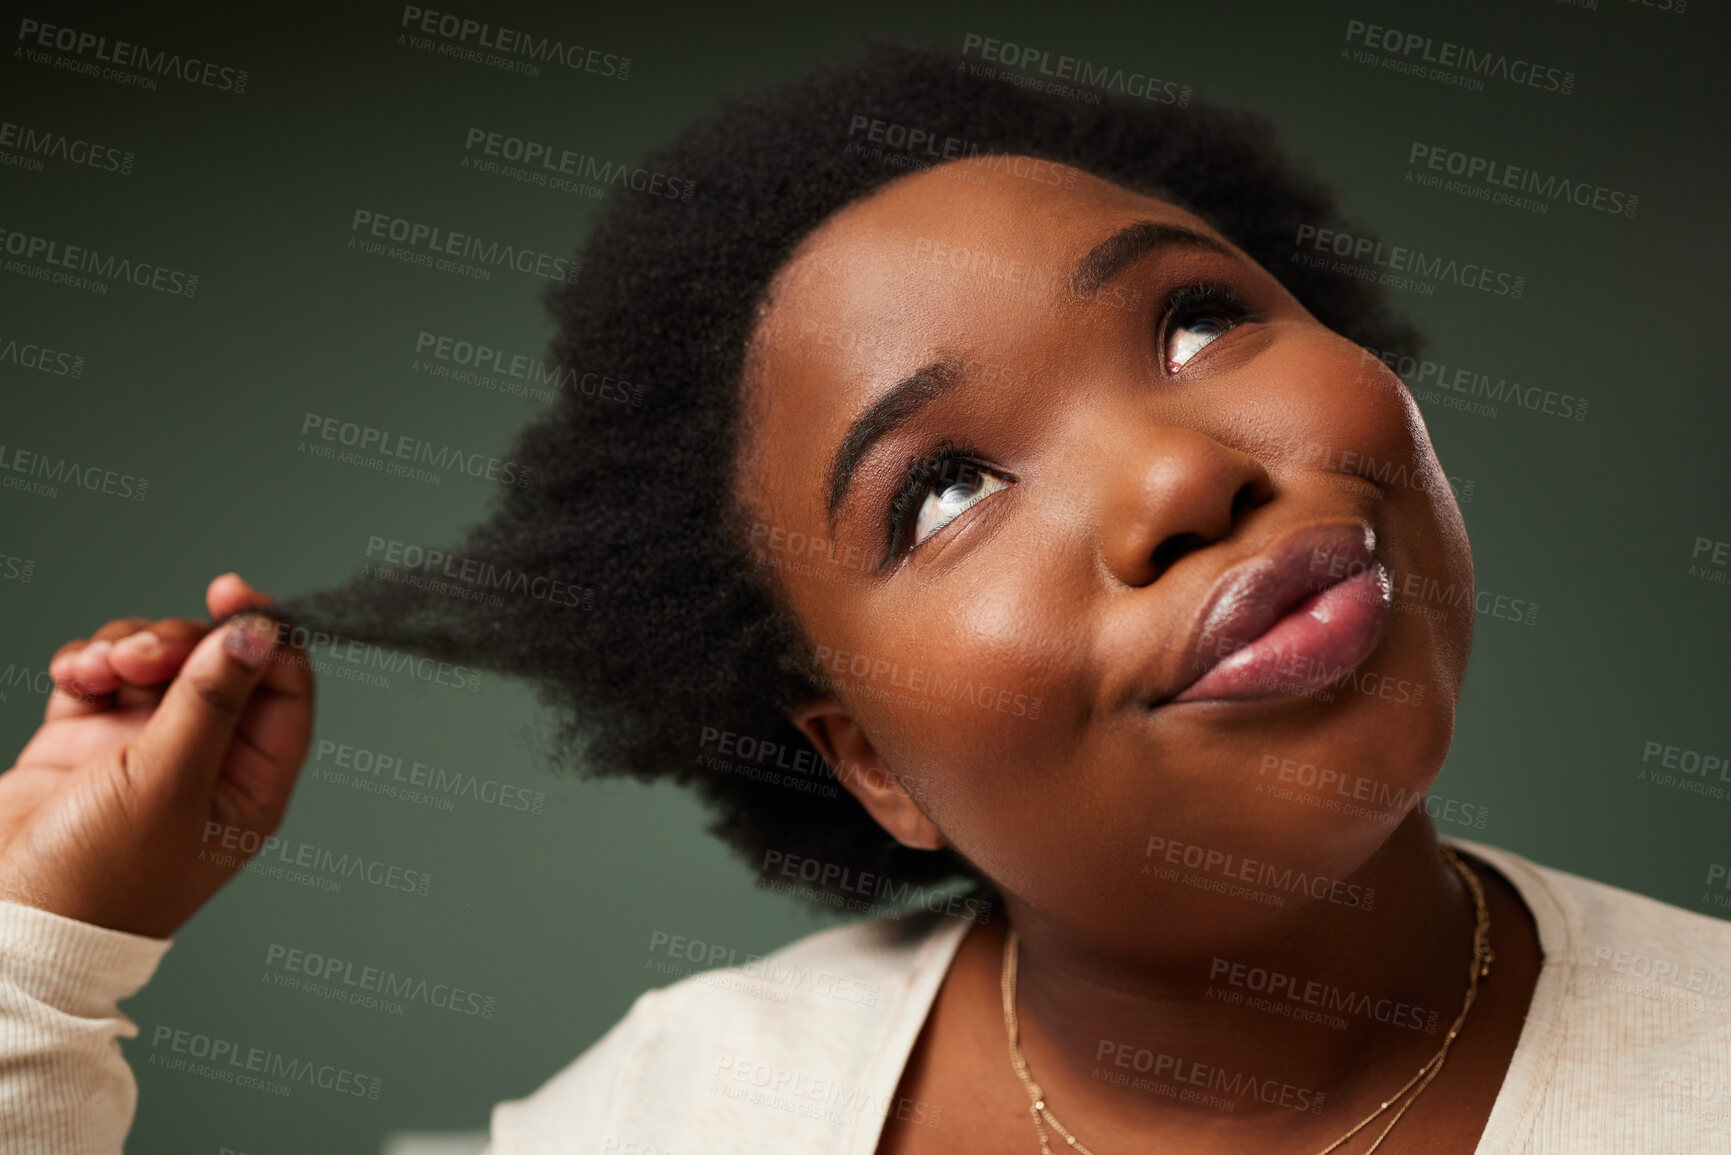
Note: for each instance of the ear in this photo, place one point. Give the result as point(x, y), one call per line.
point(856, 765)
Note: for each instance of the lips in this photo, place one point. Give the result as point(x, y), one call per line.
point(1291, 620)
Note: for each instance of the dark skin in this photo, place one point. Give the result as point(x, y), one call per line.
point(1107, 493)
point(1123, 459)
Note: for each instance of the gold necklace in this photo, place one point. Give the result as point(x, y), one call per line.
point(1479, 968)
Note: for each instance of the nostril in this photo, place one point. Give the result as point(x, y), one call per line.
point(1173, 548)
point(1250, 495)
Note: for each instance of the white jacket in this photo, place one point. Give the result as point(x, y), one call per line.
point(1626, 1047)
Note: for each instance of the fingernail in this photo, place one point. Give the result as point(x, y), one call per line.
point(143, 644)
point(250, 639)
point(96, 650)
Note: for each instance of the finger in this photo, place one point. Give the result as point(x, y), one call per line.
point(229, 593)
point(86, 660)
point(264, 761)
point(70, 649)
point(71, 697)
point(113, 631)
point(181, 748)
point(151, 656)
point(146, 698)
point(74, 699)
point(60, 665)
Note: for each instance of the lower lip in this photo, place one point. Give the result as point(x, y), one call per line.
point(1315, 643)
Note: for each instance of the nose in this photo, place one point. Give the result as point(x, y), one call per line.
point(1178, 490)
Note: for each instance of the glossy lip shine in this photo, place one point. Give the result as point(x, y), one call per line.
point(1282, 624)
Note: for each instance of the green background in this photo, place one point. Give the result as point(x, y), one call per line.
point(553, 913)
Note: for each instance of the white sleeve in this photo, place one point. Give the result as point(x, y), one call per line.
point(65, 1088)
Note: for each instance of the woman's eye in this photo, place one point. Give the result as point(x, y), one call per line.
point(951, 496)
point(1188, 338)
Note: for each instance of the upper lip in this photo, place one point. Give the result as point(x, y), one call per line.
point(1249, 598)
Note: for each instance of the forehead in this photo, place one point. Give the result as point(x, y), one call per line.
point(968, 261)
point(1003, 227)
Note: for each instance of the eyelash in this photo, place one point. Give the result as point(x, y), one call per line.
point(922, 471)
point(1183, 304)
point(1187, 302)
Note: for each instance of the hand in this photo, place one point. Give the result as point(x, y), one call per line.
point(156, 748)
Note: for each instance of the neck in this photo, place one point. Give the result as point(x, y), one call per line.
point(1320, 998)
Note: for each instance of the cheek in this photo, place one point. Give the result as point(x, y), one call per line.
point(1360, 419)
point(1427, 535)
point(1352, 415)
point(1356, 412)
point(983, 675)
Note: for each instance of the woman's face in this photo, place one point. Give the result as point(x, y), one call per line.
point(1154, 451)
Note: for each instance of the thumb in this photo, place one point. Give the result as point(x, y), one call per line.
point(181, 747)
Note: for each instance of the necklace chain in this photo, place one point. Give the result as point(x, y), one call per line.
point(1479, 968)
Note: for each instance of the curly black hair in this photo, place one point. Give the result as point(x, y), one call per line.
point(670, 653)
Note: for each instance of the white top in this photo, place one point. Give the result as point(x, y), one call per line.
point(1626, 1047)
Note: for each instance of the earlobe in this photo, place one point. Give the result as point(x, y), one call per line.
point(855, 763)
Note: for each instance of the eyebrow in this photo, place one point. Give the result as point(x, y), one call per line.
point(1129, 245)
point(901, 401)
point(897, 405)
